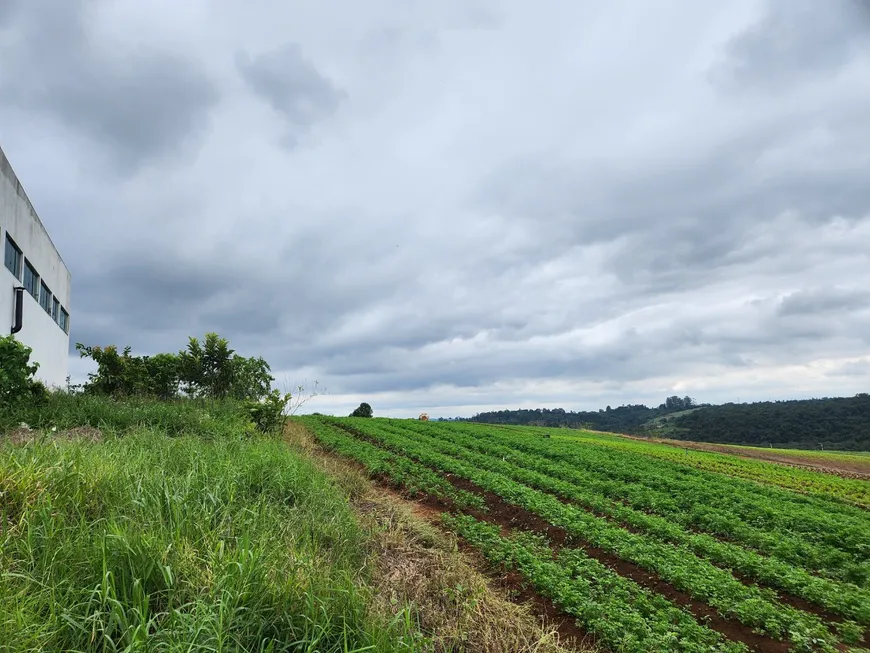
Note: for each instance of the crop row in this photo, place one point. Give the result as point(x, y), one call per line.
point(841, 598)
point(820, 484)
point(703, 581)
point(705, 500)
point(416, 479)
point(818, 557)
point(620, 613)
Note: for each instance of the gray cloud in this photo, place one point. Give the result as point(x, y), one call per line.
point(491, 209)
point(138, 104)
point(290, 84)
point(824, 301)
point(795, 40)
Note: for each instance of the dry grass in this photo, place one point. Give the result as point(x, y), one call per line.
point(23, 434)
point(414, 563)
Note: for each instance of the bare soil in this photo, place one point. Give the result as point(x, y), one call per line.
point(24, 434)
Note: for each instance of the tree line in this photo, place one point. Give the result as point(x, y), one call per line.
point(841, 423)
point(622, 419)
point(204, 370)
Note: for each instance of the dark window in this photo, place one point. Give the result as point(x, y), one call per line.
point(55, 309)
point(13, 258)
point(64, 320)
point(45, 298)
point(31, 279)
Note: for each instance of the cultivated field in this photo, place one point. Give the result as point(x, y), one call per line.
point(646, 547)
point(851, 464)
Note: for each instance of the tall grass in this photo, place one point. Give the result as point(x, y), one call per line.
point(149, 543)
point(208, 419)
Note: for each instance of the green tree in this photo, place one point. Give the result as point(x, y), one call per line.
point(251, 378)
point(363, 410)
point(206, 368)
point(211, 369)
point(163, 375)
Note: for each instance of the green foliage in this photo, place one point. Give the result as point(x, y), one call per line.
point(162, 373)
point(840, 423)
point(270, 413)
point(607, 603)
point(206, 370)
point(675, 403)
point(16, 372)
point(206, 419)
point(414, 478)
point(837, 423)
point(791, 568)
point(211, 369)
point(807, 481)
point(622, 419)
point(363, 410)
point(19, 391)
point(120, 374)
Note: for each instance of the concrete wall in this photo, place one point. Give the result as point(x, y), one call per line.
point(49, 342)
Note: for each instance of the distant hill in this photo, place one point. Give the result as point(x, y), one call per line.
point(623, 419)
point(841, 423)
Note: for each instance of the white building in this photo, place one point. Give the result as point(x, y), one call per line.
point(34, 282)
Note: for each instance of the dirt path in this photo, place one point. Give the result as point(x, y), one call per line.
point(415, 563)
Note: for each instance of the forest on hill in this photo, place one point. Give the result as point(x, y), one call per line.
point(841, 423)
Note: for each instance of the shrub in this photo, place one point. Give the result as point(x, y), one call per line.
point(125, 375)
point(18, 388)
point(16, 370)
point(269, 414)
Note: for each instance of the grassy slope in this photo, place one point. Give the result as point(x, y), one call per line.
point(149, 543)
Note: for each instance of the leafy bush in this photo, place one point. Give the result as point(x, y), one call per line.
point(270, 413)
point(16, 371)
point(125, 375)
point(18, 389)
point(211, 369)
point(363, 410)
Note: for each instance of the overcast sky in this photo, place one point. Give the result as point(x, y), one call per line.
point(460, 205)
